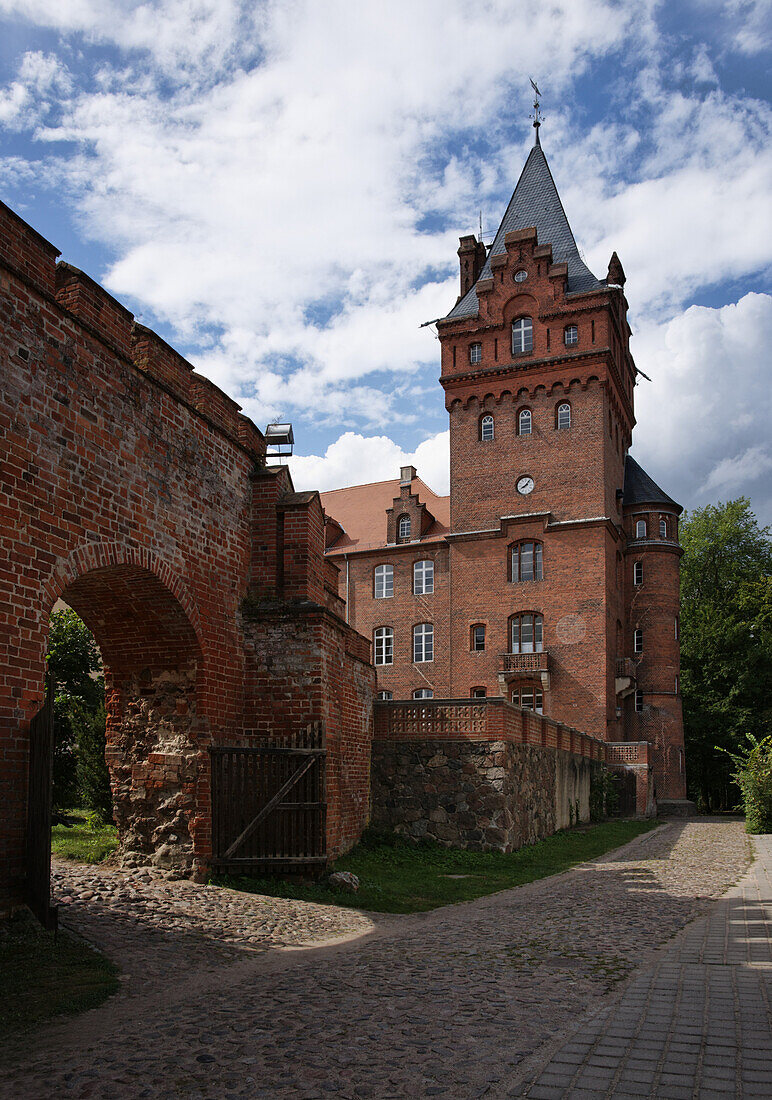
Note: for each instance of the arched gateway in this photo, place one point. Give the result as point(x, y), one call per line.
point(135, 490)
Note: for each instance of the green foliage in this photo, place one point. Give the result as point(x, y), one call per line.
point(604, 794)
point(80, 772)
point(43, 974)
point(84, 837)
point(726, 643)
point(398, 876)
point(753, 775)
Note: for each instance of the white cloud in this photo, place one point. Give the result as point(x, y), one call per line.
point(355, 459)
point(704, 422)
point(27, 100)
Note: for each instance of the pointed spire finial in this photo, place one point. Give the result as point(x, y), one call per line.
point(536, 116)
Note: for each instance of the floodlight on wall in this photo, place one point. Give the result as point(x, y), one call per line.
point(279, 440)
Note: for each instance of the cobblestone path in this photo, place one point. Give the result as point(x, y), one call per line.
point(234, 996)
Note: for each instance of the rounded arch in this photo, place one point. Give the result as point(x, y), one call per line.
point(520, 305)
point(487, 395)
point(502, 395)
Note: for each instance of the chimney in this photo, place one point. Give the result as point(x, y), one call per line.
point(406, 475)
point(471, 256)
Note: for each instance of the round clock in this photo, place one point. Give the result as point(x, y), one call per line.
point(525, 485)
point(521, 276)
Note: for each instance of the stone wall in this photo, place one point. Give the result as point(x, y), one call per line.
point(478, 794)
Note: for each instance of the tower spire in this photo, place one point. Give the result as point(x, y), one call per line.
point(536, 116)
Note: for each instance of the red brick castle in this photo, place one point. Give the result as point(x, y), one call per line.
point(550, 575)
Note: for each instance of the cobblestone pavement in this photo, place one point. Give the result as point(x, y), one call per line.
point(696, 1024)
point(221, 999)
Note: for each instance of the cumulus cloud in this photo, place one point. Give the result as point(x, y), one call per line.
point(704, 422)
point(355, 460)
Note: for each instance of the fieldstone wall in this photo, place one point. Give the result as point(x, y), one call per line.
point(478, 794)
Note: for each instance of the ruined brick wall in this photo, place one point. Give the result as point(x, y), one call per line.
point(477, 794)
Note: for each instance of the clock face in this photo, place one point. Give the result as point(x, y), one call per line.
point(525, 485)
point(521, 276)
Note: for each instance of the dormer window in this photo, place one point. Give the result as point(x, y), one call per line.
point(486, 428)
point(570, 335)
point(524, 422)
point(403, 527)
point(522, 335)
point(475, 353)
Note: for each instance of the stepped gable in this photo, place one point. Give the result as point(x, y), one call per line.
point(535, 202)
point(641, 489)
point(361, 512)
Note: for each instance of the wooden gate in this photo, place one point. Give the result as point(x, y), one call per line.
point(269, 811)
point(41, 756)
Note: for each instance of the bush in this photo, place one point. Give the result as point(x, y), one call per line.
point(604, 794)
point(753, 775)
point(93, 776)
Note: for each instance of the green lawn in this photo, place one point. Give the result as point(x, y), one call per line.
point(43, 976)
point(399, 877)
point(83, 841)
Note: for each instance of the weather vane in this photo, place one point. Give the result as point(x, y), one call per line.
point(536, 116)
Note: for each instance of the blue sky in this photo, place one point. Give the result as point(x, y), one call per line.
point(279, 188)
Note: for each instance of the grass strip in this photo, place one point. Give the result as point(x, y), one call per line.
point(42, 975)
point(397, 876)
point(85, 840)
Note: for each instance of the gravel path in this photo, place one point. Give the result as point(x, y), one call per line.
point(237, 996)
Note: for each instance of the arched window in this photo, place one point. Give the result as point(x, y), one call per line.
point(638, 573)
point(403, 527)
point(526, 631)
point(526, 562)
point(638, 641)
point(563, 416)
point(524, 422)
point(423, 693)
point(662, 527)
point(640, 528)
point(423, 578)
point(529, 698)
point(570, 335)
point(383, 646)
point(475, 353)
point(385, 696)
point(522, 335)
point(477, 637)
point(383, 586)
point(423, 643)
point(486, 428)
point(478, 693)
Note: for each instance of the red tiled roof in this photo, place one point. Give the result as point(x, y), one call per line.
point(361, 512)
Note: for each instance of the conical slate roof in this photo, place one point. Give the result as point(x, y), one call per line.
point(640, 489)
point(536, 202)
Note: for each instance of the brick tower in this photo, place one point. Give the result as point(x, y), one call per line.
point(554, 571)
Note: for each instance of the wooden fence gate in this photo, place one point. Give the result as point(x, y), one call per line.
point(269, 811)
point(41, 757)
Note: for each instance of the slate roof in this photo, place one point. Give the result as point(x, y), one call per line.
point(536, 202)
point(640, 489)
point(361, 512)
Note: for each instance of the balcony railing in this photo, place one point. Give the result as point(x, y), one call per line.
point(524, 662)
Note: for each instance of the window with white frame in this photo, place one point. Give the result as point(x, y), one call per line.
point(486, 428)
point(527, 633)
point(383, 646)
point(423, 578)
point(423, 693)
point(477, 638)
point(403, 527)
point(524, 422)
point(638, 641)
point(570, 335)
point(640, 528)
point(639, 702)
point(676, 685)
point(662, 527)
point(526, 562)
point(383, 582)
point(423, 643)
point(475, 353)
point(638, 573)
point(385, 696)
point(522, 335)
point(529, 698)
point(563, 416)
point(479, 693)
point(675, 627)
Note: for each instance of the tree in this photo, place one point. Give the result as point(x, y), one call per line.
point(80, 772)
point(726, 643)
